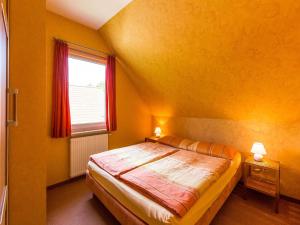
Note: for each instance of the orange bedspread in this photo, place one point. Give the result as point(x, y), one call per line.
point(122, 160)
point(177, 181)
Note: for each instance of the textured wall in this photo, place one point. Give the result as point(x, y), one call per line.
point(236, 59)
point(134, 120)
point(223, 59)
point(5, 5)
point(27, 141)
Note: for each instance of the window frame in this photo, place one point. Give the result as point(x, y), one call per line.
point(79, 54)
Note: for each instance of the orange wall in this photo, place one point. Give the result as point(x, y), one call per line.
point(220, 60)
point(216, 59)
point(5, 5)
point(27, 141)
point(134, 120)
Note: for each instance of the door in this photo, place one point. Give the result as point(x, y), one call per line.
point(3, 116)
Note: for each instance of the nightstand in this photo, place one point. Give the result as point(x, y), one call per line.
point(151, 139)
point(263, 177)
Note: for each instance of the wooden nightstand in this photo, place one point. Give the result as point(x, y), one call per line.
point(151, 139)
point(263, 177)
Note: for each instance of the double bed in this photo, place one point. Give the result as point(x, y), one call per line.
point(130, 181)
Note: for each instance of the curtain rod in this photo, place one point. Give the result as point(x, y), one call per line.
point(72, 43)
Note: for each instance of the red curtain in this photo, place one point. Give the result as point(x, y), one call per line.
point(111, 120)
point(61, 120)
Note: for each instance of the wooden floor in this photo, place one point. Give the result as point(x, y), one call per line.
point(72, 204)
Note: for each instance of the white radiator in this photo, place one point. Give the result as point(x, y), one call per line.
point(80, 150)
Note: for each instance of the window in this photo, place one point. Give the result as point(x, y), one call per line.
point(86, 93)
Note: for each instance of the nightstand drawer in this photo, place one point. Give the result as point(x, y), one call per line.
point(264, 187)
point(256, 170)
point(263, 174)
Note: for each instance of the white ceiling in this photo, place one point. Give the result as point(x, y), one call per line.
point(92, 13)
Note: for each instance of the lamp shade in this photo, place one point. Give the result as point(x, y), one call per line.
point(258, 148)
point(157, 131)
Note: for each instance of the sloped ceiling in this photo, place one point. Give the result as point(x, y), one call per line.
point(236, 59)
point(91, 13)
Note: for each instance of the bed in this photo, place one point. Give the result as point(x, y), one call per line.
point(130, 205)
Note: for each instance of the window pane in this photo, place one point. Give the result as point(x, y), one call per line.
point(86, 91)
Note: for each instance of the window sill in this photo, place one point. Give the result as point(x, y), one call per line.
point(89, 133)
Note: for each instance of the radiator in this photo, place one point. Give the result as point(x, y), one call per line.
point(80, 150)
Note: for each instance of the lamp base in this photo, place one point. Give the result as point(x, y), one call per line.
point(258, 157)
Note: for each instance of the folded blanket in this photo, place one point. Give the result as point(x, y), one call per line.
point(122, 160)
point(177, 181)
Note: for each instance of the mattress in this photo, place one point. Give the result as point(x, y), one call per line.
point(150, 211)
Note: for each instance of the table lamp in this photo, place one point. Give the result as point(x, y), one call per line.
point(259, 151)
point(157, 132)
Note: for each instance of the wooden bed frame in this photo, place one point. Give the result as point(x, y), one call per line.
point(126, 217)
